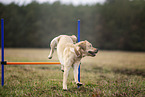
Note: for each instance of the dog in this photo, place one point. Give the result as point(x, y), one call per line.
point(70, 54)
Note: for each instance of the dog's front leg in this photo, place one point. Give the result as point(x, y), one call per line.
point(65, 75)
point(76, 74)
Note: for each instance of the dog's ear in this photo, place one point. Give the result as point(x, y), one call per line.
point(74, 38)
point(82, 45)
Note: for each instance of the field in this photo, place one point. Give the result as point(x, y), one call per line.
point(110, 73)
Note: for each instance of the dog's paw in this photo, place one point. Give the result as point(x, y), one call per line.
point(79, 84)
point(62, 70)
point(64, 89)
point(49, 57)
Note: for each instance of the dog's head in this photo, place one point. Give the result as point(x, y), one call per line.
point(87, 48)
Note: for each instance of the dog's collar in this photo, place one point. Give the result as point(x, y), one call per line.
point(79, 52)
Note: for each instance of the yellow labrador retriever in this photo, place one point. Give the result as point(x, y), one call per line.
point(70, 54)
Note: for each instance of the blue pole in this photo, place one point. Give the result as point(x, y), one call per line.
point(79, 41)
point(78, 30)
point(2, 50)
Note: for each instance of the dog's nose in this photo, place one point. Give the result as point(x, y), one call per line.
point(96, 51)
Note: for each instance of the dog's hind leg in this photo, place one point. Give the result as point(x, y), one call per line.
point(65, 76)
point(62, 68)
point(62, 63)
point(53, 45)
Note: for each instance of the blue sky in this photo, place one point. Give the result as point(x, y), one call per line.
point(74, 2)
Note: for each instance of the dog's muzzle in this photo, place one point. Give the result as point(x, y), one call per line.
point(93, 53)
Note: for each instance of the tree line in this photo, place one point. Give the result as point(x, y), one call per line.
point(114, 25)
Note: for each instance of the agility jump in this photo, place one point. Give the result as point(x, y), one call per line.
point(3, 62)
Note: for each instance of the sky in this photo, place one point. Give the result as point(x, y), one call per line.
point(74, 2)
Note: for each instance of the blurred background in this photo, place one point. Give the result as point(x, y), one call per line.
point(107, 24)
point(117, 27)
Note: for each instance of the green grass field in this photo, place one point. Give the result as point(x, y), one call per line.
point(110, 73)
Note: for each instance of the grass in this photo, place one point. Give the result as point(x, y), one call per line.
point(110, 73)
